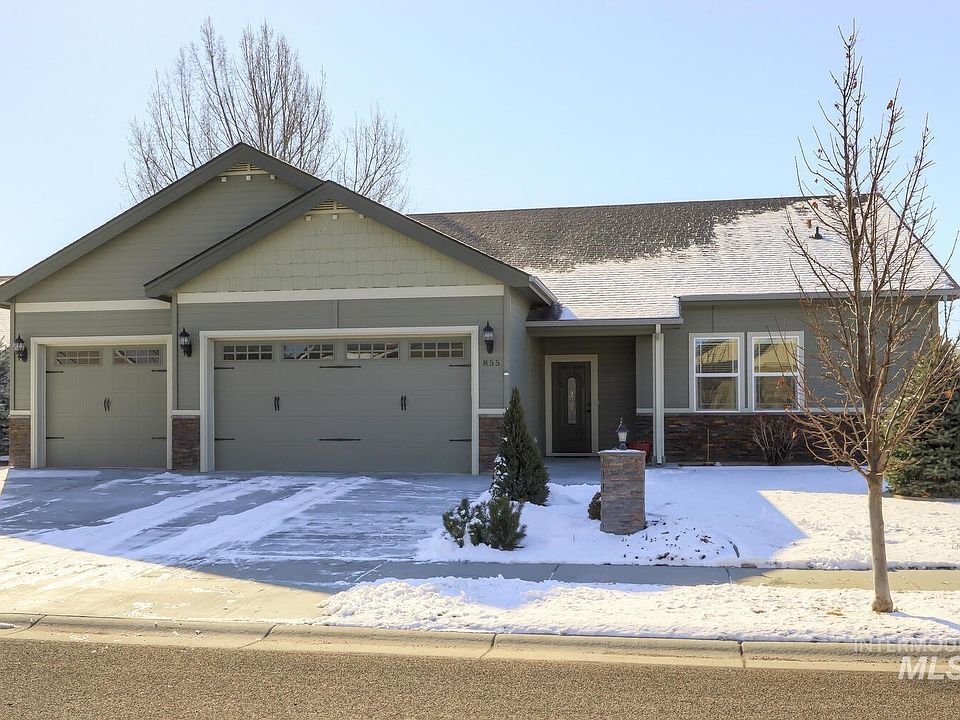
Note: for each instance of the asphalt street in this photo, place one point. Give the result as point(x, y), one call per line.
point(73, 680)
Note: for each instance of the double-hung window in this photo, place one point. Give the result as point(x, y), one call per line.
point(716, 373)
point(775, 362)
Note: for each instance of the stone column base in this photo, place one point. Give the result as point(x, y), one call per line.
point(622, 491)
point(186, 443)
point(20, 441)
point(491, 431)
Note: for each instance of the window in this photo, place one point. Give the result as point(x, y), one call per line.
point(248, 352)
point(775, 368)
point(137, 356)
point(716, 373)
point(436, 349)
point(388, 350)
point(77, 357)
point(308, 351)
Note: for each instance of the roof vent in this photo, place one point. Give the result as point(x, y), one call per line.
point(330, 206)
point(245, 168)
point(816, 234)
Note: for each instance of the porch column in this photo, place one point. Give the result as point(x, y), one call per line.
point(658, 424)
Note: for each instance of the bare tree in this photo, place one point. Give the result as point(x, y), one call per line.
point(871, 292)
point(211, 99)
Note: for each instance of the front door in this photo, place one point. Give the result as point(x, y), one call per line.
point(571, 408)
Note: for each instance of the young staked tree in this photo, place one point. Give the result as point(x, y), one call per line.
point(212, 98)
point(871, 292)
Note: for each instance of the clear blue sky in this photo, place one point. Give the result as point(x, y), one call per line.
point(505, 104)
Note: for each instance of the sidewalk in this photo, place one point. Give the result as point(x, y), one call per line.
point(900, 580)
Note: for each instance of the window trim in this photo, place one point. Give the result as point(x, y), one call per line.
point(462, 350)
point(363, 341)
point(118, 353)
point(752, 337)
point(694, 337)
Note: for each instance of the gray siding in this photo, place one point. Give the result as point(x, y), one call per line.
point(736, 318)
point(518, 346)
point(119, 269)
point(644, 345)
point(418, 312)
point(79, 324)
point(617, 368)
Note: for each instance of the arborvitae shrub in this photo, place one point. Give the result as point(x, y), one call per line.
point(593, 509)
point(520, 473)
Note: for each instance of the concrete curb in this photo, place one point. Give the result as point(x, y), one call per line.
point(268, 637)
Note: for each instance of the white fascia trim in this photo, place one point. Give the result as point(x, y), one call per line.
point(208, 354)
point(91, 306)
point(394, 293)
point(185, 413)
point(38, 375)
point(484, 411)
point(548, 361)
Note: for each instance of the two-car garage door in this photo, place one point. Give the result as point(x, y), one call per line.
point(343, 405)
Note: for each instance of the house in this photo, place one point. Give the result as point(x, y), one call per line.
point(253, 317)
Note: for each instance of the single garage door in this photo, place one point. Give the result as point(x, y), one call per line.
point(377, 404)
point(106, 407)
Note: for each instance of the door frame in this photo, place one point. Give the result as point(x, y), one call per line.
point(208, 338)
point(38, 383)
point(548, 361)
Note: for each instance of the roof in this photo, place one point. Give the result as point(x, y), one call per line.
point(640, 261)
point(329, 190)
point(240, 152)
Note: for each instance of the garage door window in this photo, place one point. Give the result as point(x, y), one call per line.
point(248, 352)
point(389, 350)
point(308, 351)
point(77, 357)
point(137, 356)
point(438, 349)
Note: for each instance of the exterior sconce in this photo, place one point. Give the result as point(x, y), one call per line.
point(183, 340)
point(622, 435)
point(20, 349)
point(488, 337)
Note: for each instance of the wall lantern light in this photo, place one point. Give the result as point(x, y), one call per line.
point(488, 337)
point(183, 340)
point(622, 435)
point(20, 349)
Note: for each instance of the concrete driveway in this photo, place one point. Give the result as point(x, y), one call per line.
point(319, 532)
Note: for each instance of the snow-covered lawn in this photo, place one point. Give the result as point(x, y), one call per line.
point(794, 517)
point(734, 612)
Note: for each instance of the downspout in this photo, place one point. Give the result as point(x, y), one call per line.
point(658, 422)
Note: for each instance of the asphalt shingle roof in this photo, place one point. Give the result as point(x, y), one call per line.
point(633, 261)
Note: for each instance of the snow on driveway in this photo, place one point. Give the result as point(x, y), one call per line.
point(734, 612)
point(792, 517)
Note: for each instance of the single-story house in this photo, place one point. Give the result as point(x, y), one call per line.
point(251, 316)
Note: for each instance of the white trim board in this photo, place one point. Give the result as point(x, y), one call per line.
point(208, 355)
point(548, 361)
point(389, 293)
point(38, 375)
point(91, 306)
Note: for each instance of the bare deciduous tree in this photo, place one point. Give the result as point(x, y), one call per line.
point(211, 99)
point(871, 291)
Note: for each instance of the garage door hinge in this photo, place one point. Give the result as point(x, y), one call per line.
point(155, 370)
point(218, 367)
point(221, 439)
point(54, 372)
point(55, 437)
point(459, 364)
point(461, 440)
point(339, 367)
point(159, 437)
point(338, 439)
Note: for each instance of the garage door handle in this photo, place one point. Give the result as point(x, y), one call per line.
point(403, 403)
point(276, 403)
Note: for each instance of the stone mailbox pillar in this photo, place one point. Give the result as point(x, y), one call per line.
point(622, 491)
